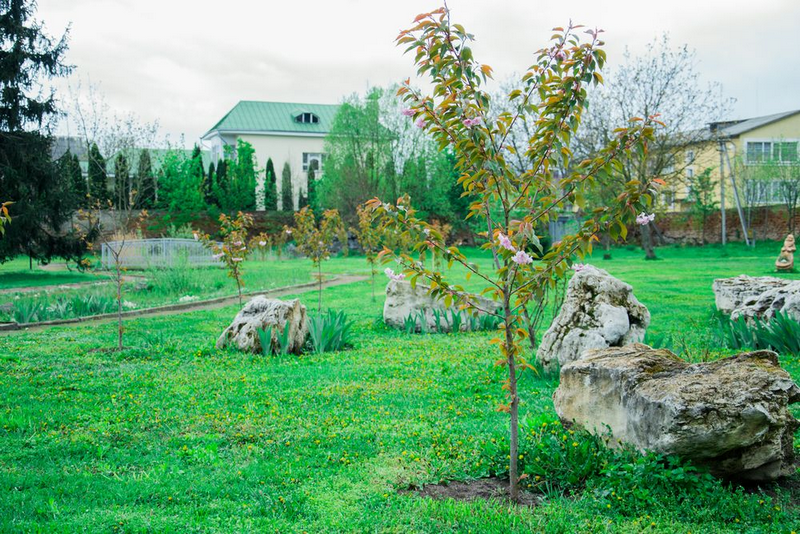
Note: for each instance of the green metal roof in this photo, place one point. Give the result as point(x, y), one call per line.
point(251, 116)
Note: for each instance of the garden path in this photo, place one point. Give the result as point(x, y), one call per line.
point(174, 309)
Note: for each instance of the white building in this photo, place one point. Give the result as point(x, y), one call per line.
point(286, 132)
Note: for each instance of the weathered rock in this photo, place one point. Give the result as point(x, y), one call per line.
point(731, 415)
point(403, 301)
point(265, 314)
point(760, 297)
point(599, 311)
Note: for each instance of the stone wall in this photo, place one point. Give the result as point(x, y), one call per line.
point(768, 224)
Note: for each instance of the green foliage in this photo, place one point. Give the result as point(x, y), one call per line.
point(98, 179)
point(270, 187)
point(145, 182)
point(459, 115)
point(239, 191)
point(329, 332)
point(372, 151)
point(315, 242)
point(233, 251)
point(702, 197)
point(780, 333)
point(313, 196)
point(28, 57)
point(287, 199)
point(70, 169)
point(283, 345)
point(416, 410)
point(37, 309)
point(37, 197)
point(122, 182)
point(180, 187)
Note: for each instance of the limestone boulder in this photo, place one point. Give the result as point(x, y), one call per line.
point(403, 301)
point(761, 297)
point(731, 415)
point(265, 314)
point(599, 311)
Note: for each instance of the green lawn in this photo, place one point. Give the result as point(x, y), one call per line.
point(17, 273)
point(172, 435)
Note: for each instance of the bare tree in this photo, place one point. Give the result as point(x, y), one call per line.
point(664, 80)
point(89, 116)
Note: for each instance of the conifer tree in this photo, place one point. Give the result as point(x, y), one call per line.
point(270, 188)
point(145, 182)
point(208, 186)
point(122, 176)
point(39, 198)
point(313, 200)
point(287, 201)
point(98, 179)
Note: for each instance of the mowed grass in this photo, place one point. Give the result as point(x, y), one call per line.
point(172, 435)
point(17, 274)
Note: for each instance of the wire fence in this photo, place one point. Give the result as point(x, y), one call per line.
point(164, 252)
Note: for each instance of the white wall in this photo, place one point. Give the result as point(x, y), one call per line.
point(282, 149)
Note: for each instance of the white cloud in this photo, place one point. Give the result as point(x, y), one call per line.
point(187, 63)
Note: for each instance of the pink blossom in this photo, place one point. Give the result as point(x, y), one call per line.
point(645, 219)
point(408, 112)
point(237, 260)
point(522, 258)
point(288, 231)
point(505, 242)
point(420, 123)
point(262, 243)
point(237, 243)
point(218, 256)
point(394, 276)
point(578, 267)
point(471, 122)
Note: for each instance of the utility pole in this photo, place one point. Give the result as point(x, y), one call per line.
point(722, 193)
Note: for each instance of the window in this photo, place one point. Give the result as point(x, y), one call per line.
point(758, 151)
point(668, 198)
point(689, 172)
point(312, 160)
point(307, 118)
point(689, 157)
point(779, 151)
point(785, 152)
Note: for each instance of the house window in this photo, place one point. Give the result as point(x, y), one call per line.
point(668, 198)
point(785, 152)
point(312, 160)
point(778, 151)
point(690, 172)
point(758, 151)
point(689, 157)
point(307, 118)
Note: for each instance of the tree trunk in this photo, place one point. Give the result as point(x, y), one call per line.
point(647, 243)
point(119, 305)
point(513, 477)
point(606, 246)
point(319, 281)
point(373, 282)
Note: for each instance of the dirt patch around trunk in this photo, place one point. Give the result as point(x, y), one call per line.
point(471, 490)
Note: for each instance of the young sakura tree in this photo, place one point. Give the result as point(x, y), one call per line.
point(551, 94)
point(315, 242)
point(369, 237)
point(233, 250)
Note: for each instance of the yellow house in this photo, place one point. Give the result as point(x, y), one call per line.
point(732, 150)
point(288, 133)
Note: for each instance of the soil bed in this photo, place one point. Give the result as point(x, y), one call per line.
point(482, 488)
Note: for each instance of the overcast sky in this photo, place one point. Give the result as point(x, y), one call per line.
point(186, 63)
